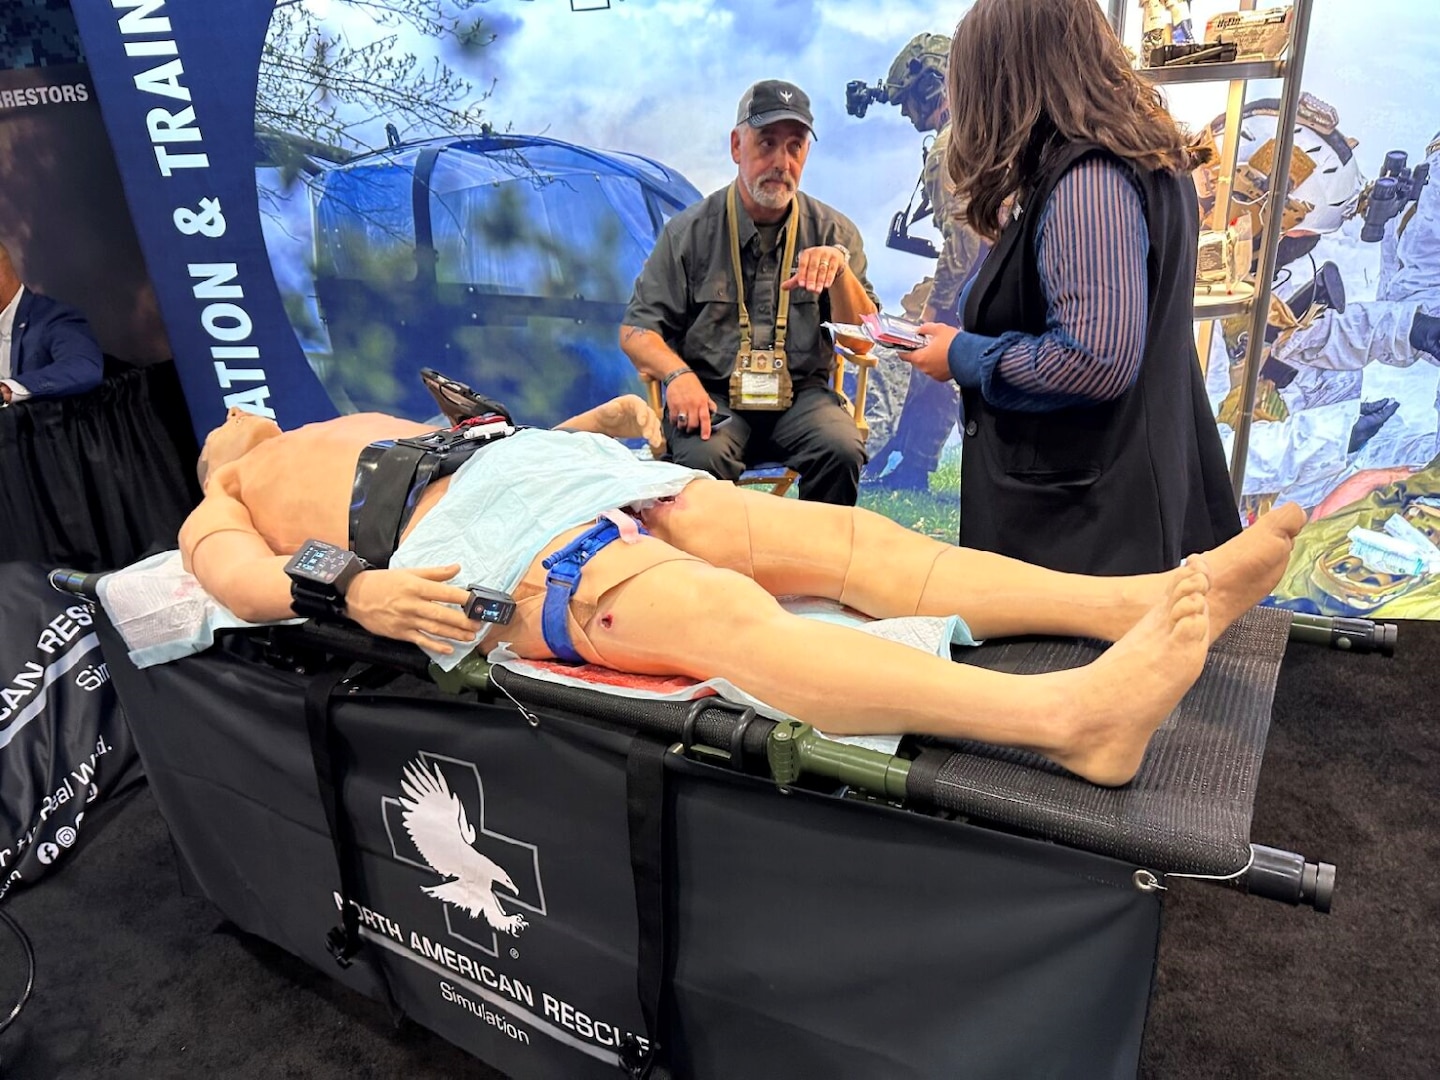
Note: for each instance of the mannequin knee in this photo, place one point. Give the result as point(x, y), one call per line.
point(890, 566)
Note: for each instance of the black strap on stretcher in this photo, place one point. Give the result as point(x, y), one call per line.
point(391, 475)
point(649, 806)
point(343, 941)
point(384, 478)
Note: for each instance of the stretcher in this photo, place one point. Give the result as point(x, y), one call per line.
point(568, 883)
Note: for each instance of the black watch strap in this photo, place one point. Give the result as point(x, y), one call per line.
point(311, 601)
point(320, 573)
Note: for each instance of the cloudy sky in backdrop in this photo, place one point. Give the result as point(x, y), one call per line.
point(662, 78)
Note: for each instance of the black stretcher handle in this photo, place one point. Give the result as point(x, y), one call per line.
point(1289, 878)
point(76, 582)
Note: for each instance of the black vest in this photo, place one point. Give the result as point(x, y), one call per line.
point(1129, 486)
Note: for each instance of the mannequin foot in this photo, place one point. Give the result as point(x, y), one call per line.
point(1118, 702)
point(1242, 571)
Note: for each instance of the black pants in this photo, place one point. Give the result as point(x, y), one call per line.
point(815, 436)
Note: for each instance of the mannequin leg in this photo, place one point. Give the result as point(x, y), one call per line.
point(685, 617)
point(883, 569)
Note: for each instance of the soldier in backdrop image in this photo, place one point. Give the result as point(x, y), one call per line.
point(1324, 431)
point(912, 415)
point(1402, 324)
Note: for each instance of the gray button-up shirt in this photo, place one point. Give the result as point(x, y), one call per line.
point(686, 291)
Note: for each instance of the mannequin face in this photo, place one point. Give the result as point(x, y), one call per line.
point(237, 436)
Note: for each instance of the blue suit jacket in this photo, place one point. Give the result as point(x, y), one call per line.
point(52, 351)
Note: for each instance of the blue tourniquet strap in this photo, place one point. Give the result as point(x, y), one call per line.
point(563, 579)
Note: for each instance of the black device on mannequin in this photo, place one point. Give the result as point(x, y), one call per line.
point(319, 574)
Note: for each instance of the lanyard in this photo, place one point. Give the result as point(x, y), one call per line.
point(782, 310)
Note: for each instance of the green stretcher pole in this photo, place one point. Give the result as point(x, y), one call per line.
point(1348, 635)
point(796, 749)
point(472, 673)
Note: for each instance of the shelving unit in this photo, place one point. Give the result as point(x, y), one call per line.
point(1217, 305)
point(1252, 300)
point(1239, 71)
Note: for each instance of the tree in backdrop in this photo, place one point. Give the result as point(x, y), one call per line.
point(314, 85)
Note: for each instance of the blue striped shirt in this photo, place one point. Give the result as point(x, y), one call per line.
point(1092, 246)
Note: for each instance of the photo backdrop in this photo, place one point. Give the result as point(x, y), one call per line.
point(333, 195)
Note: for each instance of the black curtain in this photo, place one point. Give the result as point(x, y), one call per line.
point(94, 481)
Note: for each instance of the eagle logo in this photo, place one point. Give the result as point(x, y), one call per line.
point(436, 821)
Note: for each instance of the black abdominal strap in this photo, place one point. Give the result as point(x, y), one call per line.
point(392, 474)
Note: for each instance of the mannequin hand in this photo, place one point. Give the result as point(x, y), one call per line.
point(630, 417)
point(933, 358)
point(688, 405)
point(816, 269)
point(411, 605)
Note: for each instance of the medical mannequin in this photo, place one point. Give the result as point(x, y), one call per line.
point(695, 597)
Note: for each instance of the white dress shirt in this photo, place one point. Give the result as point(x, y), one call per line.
point(7, 328)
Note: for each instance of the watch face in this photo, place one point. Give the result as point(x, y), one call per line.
point(322, 563)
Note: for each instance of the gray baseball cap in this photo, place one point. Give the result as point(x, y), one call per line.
point(772, 100)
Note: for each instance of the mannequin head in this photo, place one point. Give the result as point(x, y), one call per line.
point(237, 436)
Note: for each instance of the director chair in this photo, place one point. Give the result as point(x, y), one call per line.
point(773, 476)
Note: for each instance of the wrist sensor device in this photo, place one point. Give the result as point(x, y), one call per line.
point(489, 605)
point(319, 574)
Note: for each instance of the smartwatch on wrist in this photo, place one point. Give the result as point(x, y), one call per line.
point(319, 574)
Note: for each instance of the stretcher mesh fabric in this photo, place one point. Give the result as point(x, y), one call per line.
point(1188, 810)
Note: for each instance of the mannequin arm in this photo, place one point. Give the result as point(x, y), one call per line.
point(220, 545)
point(624, 417)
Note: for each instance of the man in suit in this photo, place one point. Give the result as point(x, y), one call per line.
point(46, 347)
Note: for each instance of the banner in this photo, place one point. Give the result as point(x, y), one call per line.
point(179, 83)
point(496, 896)
point(64, 743)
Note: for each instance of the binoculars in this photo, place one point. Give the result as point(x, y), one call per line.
point(859, 95)
point(1395, 187)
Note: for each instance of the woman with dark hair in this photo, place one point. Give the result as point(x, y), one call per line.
point(1089, 442)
